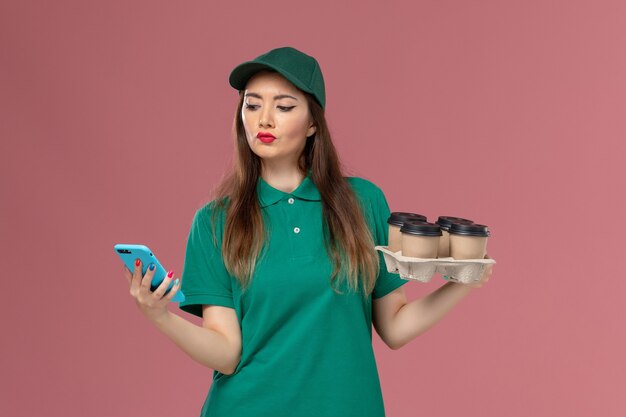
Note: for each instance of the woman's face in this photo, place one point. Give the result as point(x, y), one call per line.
point(274, 106)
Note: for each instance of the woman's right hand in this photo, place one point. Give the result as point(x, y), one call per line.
point(152, 304)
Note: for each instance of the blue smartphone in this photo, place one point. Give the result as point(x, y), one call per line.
point(128, 253)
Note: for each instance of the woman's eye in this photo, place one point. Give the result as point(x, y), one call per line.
point(282, 108)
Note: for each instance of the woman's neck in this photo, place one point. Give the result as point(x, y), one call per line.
point(285, 179)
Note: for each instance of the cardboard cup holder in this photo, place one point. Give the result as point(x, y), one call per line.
point(464, 271)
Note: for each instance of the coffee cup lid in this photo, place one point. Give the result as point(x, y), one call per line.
point(397, 218)
point(421, 228)
point(469, 229)
point(446, 221)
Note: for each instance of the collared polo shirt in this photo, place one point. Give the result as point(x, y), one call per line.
point(306, 350)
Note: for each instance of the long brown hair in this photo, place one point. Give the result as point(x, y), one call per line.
point(347, 238)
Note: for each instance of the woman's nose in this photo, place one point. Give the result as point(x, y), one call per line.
point(266, 116)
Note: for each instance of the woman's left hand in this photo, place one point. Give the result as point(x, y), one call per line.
point(485, 276)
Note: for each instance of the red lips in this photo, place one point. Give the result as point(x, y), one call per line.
point(265, 134)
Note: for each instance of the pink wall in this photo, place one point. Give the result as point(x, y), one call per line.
point(115, 121)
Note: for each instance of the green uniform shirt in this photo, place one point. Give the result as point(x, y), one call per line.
point(306, 350)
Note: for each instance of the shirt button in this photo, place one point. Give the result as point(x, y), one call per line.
point(291, 200)
point(296, 230)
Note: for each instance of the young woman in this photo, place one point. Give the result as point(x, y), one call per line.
point(281, 264)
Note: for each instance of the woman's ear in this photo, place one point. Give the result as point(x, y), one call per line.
point(312, 129)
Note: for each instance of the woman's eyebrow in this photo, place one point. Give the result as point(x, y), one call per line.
point(278, 97)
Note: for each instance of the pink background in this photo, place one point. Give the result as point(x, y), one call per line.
point(115, 122)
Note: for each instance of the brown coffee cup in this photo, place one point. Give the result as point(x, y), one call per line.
point(468, 241)
point(420, 239)
point(395, 221)
point(444, 243)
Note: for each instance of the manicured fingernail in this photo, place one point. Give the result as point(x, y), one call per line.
point(169, 274)
point(176, 281)
point(137, 262)
point(152, 267)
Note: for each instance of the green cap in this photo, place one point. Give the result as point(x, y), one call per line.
point(300, 69)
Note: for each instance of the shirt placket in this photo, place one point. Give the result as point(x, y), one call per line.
point(294, 224)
